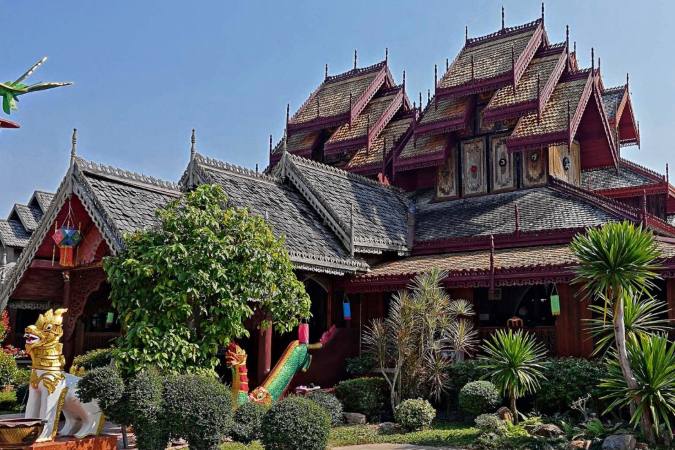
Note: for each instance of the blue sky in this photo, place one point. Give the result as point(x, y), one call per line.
point(146, 72)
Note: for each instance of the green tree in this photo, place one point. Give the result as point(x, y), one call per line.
point(185, 288)
point(617, 261)
point(515, 362)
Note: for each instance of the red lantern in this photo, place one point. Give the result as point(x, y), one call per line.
point(66, 239)
point(303, 333)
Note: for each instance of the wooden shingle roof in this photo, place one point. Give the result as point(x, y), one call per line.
point(371, 157)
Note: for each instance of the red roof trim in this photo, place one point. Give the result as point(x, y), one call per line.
point(4, 123)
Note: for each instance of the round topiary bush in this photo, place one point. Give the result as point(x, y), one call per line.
point(198, 409)
point(479, 397)
point(91, 360)
point(106, 386)
point(366, 395)
point(414, 414)
point(295, 423)
point(248, 422)
point(330, 404)
point(489, 423)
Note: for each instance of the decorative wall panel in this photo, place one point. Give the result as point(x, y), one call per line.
point(564, 163)
point(534, 168)
point(446, 181)
point(503, 174)
point(474, 179)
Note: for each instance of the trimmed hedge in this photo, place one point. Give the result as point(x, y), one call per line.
point(105, 385)
point(247, 424)
point(330, 404)
point(366, 395)
point(415, 414)
point(566, 380)
point(295, 423)
point(198, 409)
point(91, 360)
point(479, 397)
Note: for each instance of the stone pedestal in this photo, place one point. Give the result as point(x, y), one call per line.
point(103, 442)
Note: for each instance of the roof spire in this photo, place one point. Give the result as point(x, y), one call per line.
point(325, 72)
point(542, 12)
point(193, 144)
point(667, 177)
point(386, 55)
point(592, 60)
point(73, 145)
point(435, 76)
point(575, 48)
point(627, 80)
point(428, 96)
point(356, 58)
point(288, 113)
point(503, 18)
point(256, 167)
point(598, 64)
point(447, 64)
point(466, 34)
point(644, 207)
point(270, 143)
point(567, 47)
point(420, 101)
point(404, 80)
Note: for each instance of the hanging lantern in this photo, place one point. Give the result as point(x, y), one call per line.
point(555, 302)
point(303, 333)
point(66, 239)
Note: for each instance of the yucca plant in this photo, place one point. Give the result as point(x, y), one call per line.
point(515, 360)
point(617, 260)
point(652, 359)
point(641, 315)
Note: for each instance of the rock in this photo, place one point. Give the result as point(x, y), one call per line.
point(547, 430)
point(354, 418)
point(579, 445)
point(505, 414)
point(619, 442)
point(386, 427)
point(641, 446)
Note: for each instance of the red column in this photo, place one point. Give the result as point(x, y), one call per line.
point(264, 363)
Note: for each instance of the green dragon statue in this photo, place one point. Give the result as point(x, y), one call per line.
point(11, 90)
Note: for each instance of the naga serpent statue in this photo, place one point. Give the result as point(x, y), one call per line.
point(296, 357)
point(53, 391)
point(11, 90)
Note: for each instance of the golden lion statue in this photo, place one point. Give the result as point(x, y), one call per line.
point(53, 391)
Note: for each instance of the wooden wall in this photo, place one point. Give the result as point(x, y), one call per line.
point(571, 338)
point(556, 163)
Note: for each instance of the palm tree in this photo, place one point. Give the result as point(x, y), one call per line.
point(617, 260)
point(641, 316)
point(652, 359)
point(515, 362)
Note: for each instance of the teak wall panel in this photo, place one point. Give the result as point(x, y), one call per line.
point(571, 337)
point(564, 164)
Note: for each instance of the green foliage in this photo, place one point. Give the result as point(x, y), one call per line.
point(8, 401)
point(330, 404)
point(92, 359)
point(566, 380)
point(20, 382)
point(360, 365)
point(105, 384)
point(515, 362)
point(641, 315)
point(415, 414)
point(184, 289)
point(652, 358)
point(197, 409)
point(143, 396)
point(295, 423)
point(248, 419)
point(366, 395)
point(478, 397)
point(8, 368)
point(489, 423)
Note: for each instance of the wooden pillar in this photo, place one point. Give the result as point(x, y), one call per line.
point(68, 349)
point(670, 298)
point(264, 363)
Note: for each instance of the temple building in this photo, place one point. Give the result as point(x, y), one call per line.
point(516, 150)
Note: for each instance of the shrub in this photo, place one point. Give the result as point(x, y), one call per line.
point(366, 395)
point(295, 423)
point(360, 365)
point(8, 369)
point(143, 401)
point(330, 404)
point(105, 385)
point(91, 360)
point(566, 380)
point(478, 397)
point(8, 401)
point(248, 422)
point(198, 409)
point(21, 381)
point(489, 423)
point(415, 414)
point(463, 372)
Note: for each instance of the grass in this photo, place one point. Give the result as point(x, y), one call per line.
point(440, 434)
point(8, 402)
